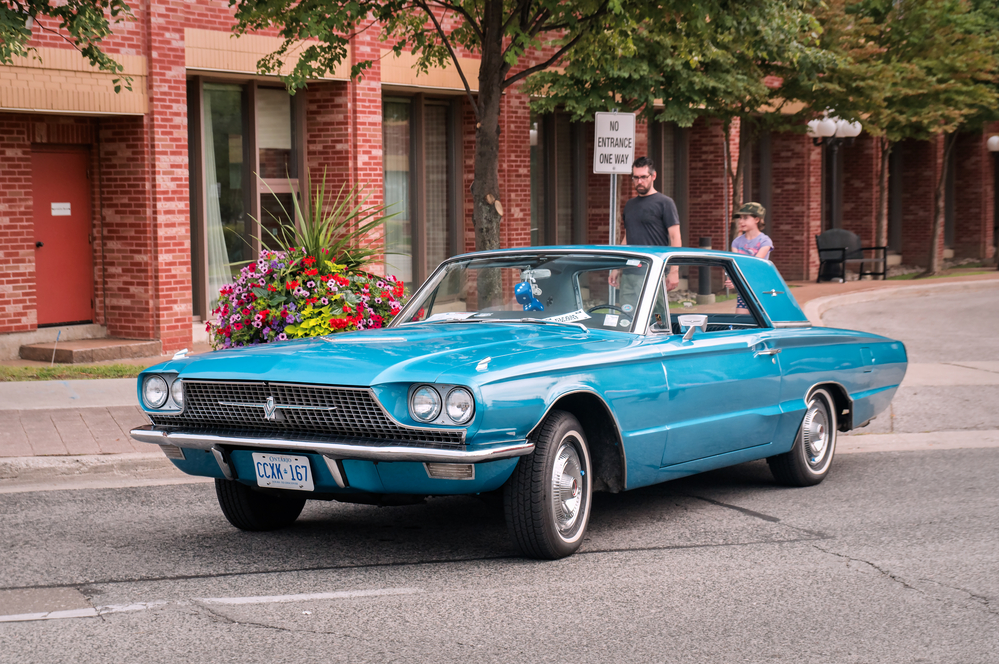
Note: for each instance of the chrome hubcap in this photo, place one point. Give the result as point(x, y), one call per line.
point(567, 487)
point(815, 434)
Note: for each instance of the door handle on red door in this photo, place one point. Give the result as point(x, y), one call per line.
point(39, 244)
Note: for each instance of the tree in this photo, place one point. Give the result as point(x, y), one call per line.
point(82, 23)
point(722, 60)
point(609, 53)
point(915, 69)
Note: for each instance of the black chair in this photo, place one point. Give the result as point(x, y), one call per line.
point(838, 247)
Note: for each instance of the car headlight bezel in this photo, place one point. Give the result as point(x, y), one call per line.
point(177, 392)
point(152, 381)
point(464, 413)
point(433, 399)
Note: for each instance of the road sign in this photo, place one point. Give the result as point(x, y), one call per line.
point(613, 143)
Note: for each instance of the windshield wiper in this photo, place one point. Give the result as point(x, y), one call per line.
point(542, 321)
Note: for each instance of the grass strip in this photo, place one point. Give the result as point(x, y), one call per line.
point(70, 372)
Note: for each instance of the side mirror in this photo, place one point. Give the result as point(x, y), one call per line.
point(690, 322)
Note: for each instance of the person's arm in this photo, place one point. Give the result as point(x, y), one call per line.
point(763, 252)
point(673, 278)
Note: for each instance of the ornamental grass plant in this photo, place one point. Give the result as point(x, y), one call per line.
point(313, 284)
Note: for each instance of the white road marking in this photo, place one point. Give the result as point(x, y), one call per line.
point(80, 613)
point(342, 594)
point(94, 612)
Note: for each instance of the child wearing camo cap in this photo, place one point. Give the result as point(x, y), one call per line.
point(751, 240)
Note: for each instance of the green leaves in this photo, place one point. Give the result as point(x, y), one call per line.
point(86, 23)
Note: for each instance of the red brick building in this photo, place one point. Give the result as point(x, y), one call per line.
point(119, 213)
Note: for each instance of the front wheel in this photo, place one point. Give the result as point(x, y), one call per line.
point(547, 499)
point(809, 460)
point(252, 510)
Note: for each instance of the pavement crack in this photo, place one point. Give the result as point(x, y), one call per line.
point(882, 572)
point(976, 601)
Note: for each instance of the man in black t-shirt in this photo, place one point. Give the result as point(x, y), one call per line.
point(650, 218)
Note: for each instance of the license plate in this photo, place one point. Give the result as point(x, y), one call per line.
point(282, 471)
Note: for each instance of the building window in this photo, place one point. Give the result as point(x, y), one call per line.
point(421, 154)
point(558, 180)
point(245, 153)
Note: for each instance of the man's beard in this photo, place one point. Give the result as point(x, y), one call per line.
point(642, 189)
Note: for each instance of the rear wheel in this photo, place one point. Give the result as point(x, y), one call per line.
point(547, 499)
point(809, 460)
point(252, 510)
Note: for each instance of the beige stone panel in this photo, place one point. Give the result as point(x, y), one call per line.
point(70, 60)
point(70, 91)
point(400, 70)
point(214, 50)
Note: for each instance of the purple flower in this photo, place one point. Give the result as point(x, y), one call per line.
point(380, 284)
point(311, 284)
point(292, 307)
point(290, 319)
point(266, 330)
point(323, 301)
point(282, 337)
point(378, 300)
point(257, 324)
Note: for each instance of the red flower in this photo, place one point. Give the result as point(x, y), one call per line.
point(309, 260)
point(238, 326)
point(272, 288)
point(291, 284)
point(346, 308)
point(246, 312)
point(311, 273)
point(252, 267)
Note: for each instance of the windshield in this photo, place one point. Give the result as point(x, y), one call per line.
point(541, 287)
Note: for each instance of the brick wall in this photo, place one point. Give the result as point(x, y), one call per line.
point(515, 169)
point(796, 213)
point(861, 167)
point(126, 217)
point(17, 246)
point(922, 161)
point(167, 137)
point(708, 182)
point(974, 197)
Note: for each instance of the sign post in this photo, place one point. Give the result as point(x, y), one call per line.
point(613, 152)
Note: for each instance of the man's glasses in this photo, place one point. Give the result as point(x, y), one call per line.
point(636, 178)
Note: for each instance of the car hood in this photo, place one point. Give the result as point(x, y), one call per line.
point(417, 352)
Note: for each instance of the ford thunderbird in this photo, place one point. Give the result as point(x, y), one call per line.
point(546, 373)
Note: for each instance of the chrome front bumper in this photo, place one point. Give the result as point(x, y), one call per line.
point(200, 441)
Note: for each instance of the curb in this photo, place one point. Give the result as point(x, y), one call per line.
point(33, 470)
point(815, 308)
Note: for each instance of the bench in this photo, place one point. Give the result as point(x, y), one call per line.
point(839, 247)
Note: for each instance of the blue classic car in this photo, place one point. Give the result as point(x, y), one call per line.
point(525, 370)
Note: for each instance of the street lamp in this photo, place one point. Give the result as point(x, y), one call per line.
point(831, 131)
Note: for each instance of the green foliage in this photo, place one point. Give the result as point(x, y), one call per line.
point(686, 60)
point(87, 23)
point(330, 229)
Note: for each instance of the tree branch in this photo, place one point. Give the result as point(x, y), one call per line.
point(454, 56)
point(457, 9)
point(542, 66)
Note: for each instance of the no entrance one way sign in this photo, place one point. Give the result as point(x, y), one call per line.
point(614, 143)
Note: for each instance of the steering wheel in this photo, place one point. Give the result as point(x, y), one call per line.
point(606, 305)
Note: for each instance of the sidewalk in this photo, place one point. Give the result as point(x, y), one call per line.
point(81, 426)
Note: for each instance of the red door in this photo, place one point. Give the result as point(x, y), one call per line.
point(64, 260)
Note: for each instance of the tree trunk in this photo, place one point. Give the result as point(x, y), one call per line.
point(881, 232)
point(939, 196)
point(487, 211)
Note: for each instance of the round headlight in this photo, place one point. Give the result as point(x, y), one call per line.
point(426, 404)
point(154, 391)
point(177, 392)
point(459, 405)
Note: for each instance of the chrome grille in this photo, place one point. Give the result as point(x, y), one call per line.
point(341, 414)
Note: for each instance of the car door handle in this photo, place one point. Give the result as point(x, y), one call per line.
point(766, 351)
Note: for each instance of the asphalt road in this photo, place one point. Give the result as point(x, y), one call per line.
point(894, 558)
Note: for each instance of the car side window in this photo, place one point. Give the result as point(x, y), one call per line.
point(659, 321)
point(709, 288)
